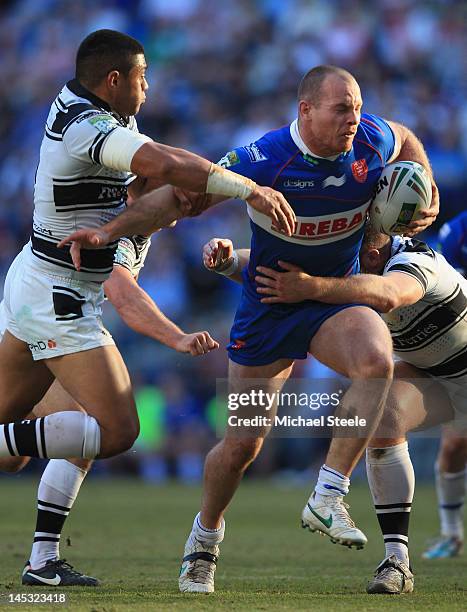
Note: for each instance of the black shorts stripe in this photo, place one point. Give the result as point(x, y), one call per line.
point(75, 293)
point(42, 435)
point(25, 438)
point(8, 441)
point(412, 271)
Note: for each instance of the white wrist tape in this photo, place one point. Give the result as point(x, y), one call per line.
point(232, 266)
point(224, 182)
point(119, 148)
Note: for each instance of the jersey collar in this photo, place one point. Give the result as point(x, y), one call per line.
point(75, 87)
point(298, 140)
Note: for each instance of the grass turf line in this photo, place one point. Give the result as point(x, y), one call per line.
point(131, 536)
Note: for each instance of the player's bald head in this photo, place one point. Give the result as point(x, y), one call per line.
point(311, 85)
point(373, 239)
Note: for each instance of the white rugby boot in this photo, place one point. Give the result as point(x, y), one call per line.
point(392, 577)
point(330, 517)
point(198, 567)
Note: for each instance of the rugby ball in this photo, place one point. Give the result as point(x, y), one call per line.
point(403, 189)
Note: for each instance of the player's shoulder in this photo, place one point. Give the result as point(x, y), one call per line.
point(411, 252)
point(374, 131)
point(374, 137)
point(76, 107)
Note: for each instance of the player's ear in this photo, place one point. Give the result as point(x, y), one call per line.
point(113, 78)
point(304, 109)
point(374, 259)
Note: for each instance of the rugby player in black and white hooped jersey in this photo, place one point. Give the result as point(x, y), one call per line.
point(90, 154)
point(61, 480)
point(423, 300)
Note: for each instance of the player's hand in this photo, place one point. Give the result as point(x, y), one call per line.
point(427, 216)
point(198, 343)
point(190, 203)
point(287, 287)
point(273, 204)
point(84, 239)
point(217, 254)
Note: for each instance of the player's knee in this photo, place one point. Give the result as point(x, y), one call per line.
point(376, 362)
point(12, 465)
point(453, 447)
point(119, 440)
point(243, 452)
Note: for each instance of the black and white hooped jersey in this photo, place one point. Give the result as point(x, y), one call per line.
point(131, 253)
point(431, 334)
point(75, 186)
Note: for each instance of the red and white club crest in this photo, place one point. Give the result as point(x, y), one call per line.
point(360, 170)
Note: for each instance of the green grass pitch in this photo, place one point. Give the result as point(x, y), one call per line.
point(131, 536)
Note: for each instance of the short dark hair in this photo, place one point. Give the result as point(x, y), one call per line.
point(104, 51)
point(310, 85)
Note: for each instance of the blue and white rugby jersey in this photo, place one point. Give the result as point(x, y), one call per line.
point(330, 198)
point(452, 242)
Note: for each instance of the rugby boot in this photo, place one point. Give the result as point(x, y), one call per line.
point(392, 577)
point(198, 567)
point(330, 518)
point(444, 547)
point(56, 573)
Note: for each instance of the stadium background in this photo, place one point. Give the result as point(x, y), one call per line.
point(220, 75)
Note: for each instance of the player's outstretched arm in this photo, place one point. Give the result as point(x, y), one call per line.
point(410, 148)
point(219, 256)
point(384, 293)
point(162, 207)
point(140, 313)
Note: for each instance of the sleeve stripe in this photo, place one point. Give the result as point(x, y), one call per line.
point(412, 271)
point(365, 120)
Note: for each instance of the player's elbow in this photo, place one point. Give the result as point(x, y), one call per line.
point(156, 162)
point(389, 301)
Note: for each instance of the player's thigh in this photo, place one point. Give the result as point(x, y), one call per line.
point(23, 381)
point(354, 342)
point(247, 388)
point(56, 400)
point(416, 400)
point(98, 380)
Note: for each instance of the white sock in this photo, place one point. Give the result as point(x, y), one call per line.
point(331, 483)
point(211, 537)
point(450, 488)
point(58, 488)
point(56, 436)
point(392, 484)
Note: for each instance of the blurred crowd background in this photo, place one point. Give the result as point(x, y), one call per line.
point(221, 74)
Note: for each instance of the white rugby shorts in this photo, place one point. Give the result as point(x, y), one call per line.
point(55, 315)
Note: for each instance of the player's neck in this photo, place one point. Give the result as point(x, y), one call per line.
point(306, 146)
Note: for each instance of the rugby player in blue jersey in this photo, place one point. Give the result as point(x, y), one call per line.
point(423, 300)
point(327, 164)
point(450, 467)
